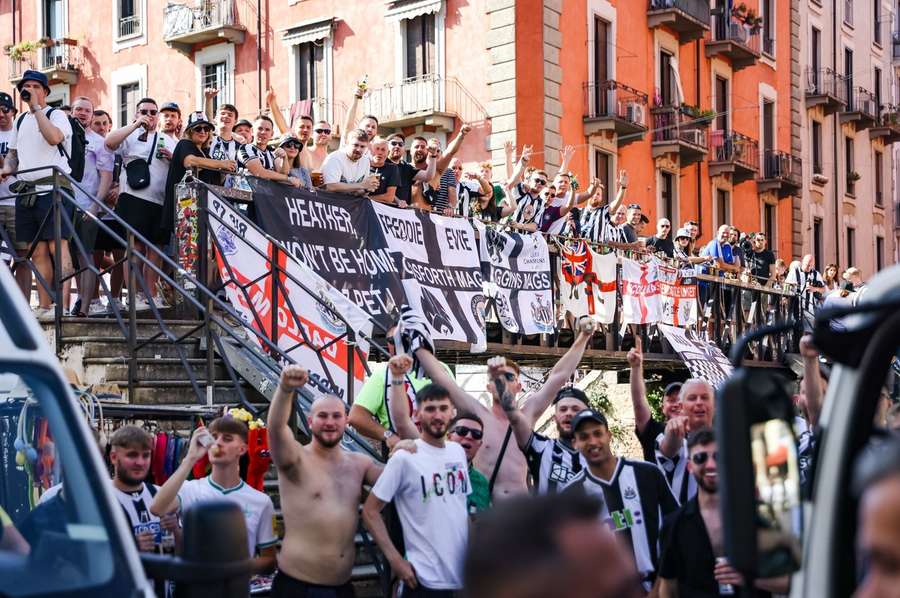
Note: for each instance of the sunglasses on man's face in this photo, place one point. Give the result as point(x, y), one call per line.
point(148, 112)
point(396, 144)
point(323, 131)
point(703, 456)
point(5, 110)
point(665, 226)
point(471, 432)
point(540, 181)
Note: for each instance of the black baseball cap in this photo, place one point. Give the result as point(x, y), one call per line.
point(571, 392)
point(6, 100)
point(672, 387)
point(588, 415)
point(172, 106)
point(242, 122)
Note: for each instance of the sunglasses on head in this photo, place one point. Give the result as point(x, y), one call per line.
point(148, 112)
point(323, 131)
point(464, 431)
point(703, 456)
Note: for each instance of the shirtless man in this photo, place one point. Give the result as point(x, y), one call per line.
point(511, 475)
point(321, 489)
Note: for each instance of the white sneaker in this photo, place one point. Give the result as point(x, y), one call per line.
point(114, 306)
point(160, 301)
point(44, 314)
point(96, 309)
point(140, 303)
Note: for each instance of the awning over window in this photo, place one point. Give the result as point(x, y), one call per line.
point(398, 10)
point(308, 31)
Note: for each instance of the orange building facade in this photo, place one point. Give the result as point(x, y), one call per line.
point(701, 101)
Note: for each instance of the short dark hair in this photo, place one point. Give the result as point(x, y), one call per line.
point(131, 435)
point(704, 435)
point(102, 113)
point(146, 101)
point(465, 415)
point(522, 538)
point(372, 116)
point(264, 117)
point(229, 425)
point(358, 134)
point(229, 107)
point(420, 138)
point(306, 117)
point(396, 136)
point(432, 392)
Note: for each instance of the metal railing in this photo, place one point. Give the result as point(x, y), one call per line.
point(60, 54)
point(613, 99)
point(889, 116)
point(698, 9)
point(861, 100)
point(420, 95)
point(180, 19)
point(734, 147)
point(670, 123)
point(731, 29)
point(129, 26)
point(825, 81)
point(781, 165)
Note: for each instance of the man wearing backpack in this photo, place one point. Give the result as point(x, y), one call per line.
point(42, 138)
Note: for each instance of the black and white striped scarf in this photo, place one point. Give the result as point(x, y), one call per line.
point(411, 335)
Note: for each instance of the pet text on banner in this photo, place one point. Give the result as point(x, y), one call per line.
point(516, 271)
point(307, 328)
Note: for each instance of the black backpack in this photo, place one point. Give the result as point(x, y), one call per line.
point(79, 143)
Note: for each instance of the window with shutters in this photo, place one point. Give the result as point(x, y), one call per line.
point(216, 75)
point(310, 70)
point(723, 207)
point(602, 170)
point(667, 197)
point(420, 48)
point(770, 224)
point(666, 81)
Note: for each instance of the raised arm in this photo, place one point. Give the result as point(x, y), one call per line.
point(166, 499)
point(115, 138)
point(521, 165)
point(521, 426)
point(285, 449)
point(561, 372)
point(350, 121)
point(509, 151)
point(436, 372)
point(673, 437)
point(622, 183)
point(453, 148)
point(642, 413)
point(589, 192)
point(430, 168)
point(570, 203)
point(208, 94)
point(398, 368)
point(565, 157)
point(275, 111)
point(812, 380)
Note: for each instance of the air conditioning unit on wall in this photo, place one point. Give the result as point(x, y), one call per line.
point(694, 136)
point(634, 112)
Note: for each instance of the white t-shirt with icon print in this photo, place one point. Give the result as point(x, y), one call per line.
point(429, 488)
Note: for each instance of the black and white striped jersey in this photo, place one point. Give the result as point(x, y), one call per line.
point(635, 500)
point(224, 150)
point(681, 482)
point(137, 508)
point(551, 464)
point(529, 208)
point(249, 152)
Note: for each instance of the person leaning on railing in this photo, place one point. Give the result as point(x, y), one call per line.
point(192, 152)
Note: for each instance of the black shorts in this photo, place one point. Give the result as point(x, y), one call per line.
point(285, 586)
point(30, 221)
point(106, 242)
point(143, 216)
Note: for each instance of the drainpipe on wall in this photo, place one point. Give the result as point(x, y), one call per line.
point(699, 178)
point(836, 134)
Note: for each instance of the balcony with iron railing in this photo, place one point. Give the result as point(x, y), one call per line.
point(319, 108)
point(430, 100)
point(185, 26)
point(735, 40)
point(675, 132)
point(862, 107)
point(60, 59)
point(825, 88)
point(612, 106)
point(887, 125)
point(781, 172)
point(130, 26)
point(689, 18)
point(733, 153)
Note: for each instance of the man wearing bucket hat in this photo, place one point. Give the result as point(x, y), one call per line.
point(42, 138)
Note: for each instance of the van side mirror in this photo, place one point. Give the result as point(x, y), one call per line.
point(759, 476)
point(214, 559)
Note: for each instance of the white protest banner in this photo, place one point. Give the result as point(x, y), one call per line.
point(640, 292)
point(516, 272)
point(678, 295)
point(703, 359)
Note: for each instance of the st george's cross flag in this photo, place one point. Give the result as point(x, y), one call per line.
point(587, 282)
point(640, 292)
